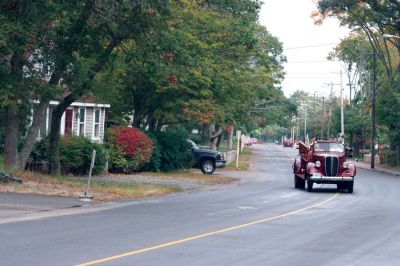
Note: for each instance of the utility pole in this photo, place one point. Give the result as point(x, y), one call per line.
point(313, 128)
point(330, 112)
point(373, 101)
point(298, 128)
point(341, 107)
point(322, 118)
point(305, 122)
point(292, 134)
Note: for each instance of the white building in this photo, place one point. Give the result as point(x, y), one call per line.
point(82, 118)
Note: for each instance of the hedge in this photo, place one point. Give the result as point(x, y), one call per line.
point(75, 155)
point(171, 152)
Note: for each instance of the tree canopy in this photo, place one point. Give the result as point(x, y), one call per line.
point(159, 63)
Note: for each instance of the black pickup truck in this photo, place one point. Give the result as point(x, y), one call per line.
point(207, 160)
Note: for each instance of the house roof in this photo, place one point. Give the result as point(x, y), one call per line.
point(84, 101)
point(84, 104)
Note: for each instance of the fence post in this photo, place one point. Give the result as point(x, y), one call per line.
point(238, 137)
point(90, 174)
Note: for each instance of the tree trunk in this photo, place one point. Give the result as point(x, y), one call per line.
point(230, 139)
point(212, 140)
point(11, 138)
point(12, 111)
point(351, 142)
point(204, 135)
point(136, 122)
point(54, 151)
point(392, 143)
point(160, 124)
point(220, 137)
point(214, 134)
point(397, 154)
point(152, 124)
point(38, 115)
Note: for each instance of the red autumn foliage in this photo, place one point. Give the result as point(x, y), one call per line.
point(134, 143)
point(172, 80)
point(169, 56)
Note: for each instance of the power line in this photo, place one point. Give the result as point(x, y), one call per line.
point(308, 77)
point(309, 46)
point(309, 62)
point(311, 73)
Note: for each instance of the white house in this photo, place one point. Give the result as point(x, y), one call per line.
point(82, 118)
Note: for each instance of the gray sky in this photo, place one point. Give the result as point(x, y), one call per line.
point(307, 68)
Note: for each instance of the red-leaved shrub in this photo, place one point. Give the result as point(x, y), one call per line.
point(130, 149)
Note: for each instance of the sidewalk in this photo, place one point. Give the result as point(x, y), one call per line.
point(378, 168)
point(18, 207)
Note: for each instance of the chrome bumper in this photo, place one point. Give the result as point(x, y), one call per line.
point(317, 177)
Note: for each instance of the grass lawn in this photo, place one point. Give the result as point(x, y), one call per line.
point(244, 161)
point(223, 147)
point(192, 174)
point(107, 189)
point(74, 187)
point(70, 186)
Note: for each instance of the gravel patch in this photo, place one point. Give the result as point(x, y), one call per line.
point(184, 184)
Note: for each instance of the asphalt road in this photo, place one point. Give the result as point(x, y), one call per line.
point(261, 221)
point(17, 205)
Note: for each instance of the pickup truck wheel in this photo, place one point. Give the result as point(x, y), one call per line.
point(298, 182)
point(207, 167)
point(309, 185)
point(350, 186)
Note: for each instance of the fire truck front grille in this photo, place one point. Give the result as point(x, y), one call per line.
point(331, 166)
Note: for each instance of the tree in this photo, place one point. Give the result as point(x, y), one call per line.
point(208, 67)
point(375, 19)
point(23, 30)
point(107, 27)
point(53, 46)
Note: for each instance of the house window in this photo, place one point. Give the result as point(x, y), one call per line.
point(68, 121)
point(81, 125)
point(96, 131)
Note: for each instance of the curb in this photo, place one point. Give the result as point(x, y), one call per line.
point(77, 210)
point(380, 170)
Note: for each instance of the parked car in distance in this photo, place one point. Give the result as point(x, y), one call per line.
point(247, 141)
point(207, 160)
point(381, 146)
point(288, 143)
point(324, 162)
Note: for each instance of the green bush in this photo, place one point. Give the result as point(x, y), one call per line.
point(118, 162)
point(195, 137)
point(155, 161)
point(40, 152)
point(75, 155)
point(172, 151)
point(389, 157)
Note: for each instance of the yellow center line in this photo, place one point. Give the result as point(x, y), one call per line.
point(227, 229)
